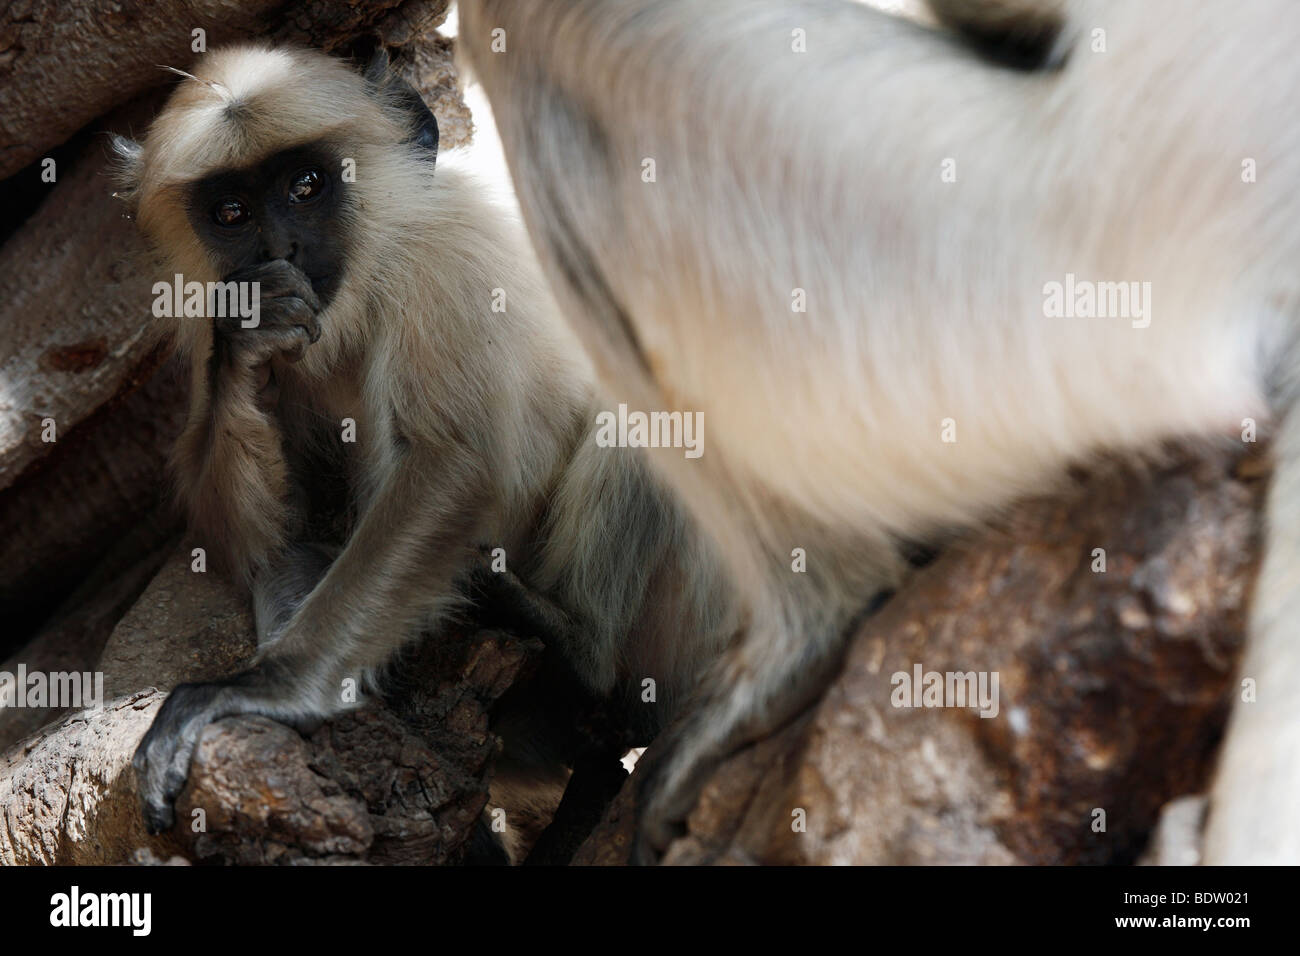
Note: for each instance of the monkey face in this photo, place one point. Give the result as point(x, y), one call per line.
point(293, 205)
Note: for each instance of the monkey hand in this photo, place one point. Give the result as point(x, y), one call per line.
point(286, 321)
point(162, 761)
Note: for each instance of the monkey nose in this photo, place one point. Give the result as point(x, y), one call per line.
point(286, 251)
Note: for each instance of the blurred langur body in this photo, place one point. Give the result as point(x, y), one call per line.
point(854, 254)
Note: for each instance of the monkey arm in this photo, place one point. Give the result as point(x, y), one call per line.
point(233, 476)
point(397, 569)
point(231, 471)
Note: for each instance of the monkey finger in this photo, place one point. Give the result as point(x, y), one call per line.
point(233, 324)
point(294, 285)
point(159, 817)
point(289, 280)
point(293, 311)
point(312, 327)
point(274, 316)
point(162, 759)
point(296, 345)
point(155, 807)
point(307, 292)
point(254, 348)
point(276, 279)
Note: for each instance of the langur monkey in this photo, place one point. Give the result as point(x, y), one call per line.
point(397, 305)
point(844, 253)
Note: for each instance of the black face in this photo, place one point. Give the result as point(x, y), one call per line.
point(291, 206)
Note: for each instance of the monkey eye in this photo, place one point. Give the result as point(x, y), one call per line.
point(306, 185)
point(230, 212)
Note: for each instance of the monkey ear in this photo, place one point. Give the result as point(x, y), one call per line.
point(127, 165)
point(376, 71)
point(424, 126)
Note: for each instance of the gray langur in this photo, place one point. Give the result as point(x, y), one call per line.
point(397, 301)
point(925, 193)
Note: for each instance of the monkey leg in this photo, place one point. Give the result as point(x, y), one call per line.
point(777, 667)
point(503, 600)
point(550, 725)
point(596, 780)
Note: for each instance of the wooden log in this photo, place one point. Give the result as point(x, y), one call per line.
point(65, 62)
point(403, 779)
point(1113, 691)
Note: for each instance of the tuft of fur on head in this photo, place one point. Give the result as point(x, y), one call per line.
point(243, 103)
point(238, 106)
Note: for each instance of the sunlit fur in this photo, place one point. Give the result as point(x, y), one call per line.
point(821, 171)
point(473, 426)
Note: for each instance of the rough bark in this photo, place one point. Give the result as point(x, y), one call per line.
point(401, 780)
point(67, 796)
point(99, 485)
point(1114, 688)
point(186, 626)
point(77, 329)
point(74, 638)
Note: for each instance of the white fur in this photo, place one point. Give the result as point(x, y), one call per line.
point(821, 171)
